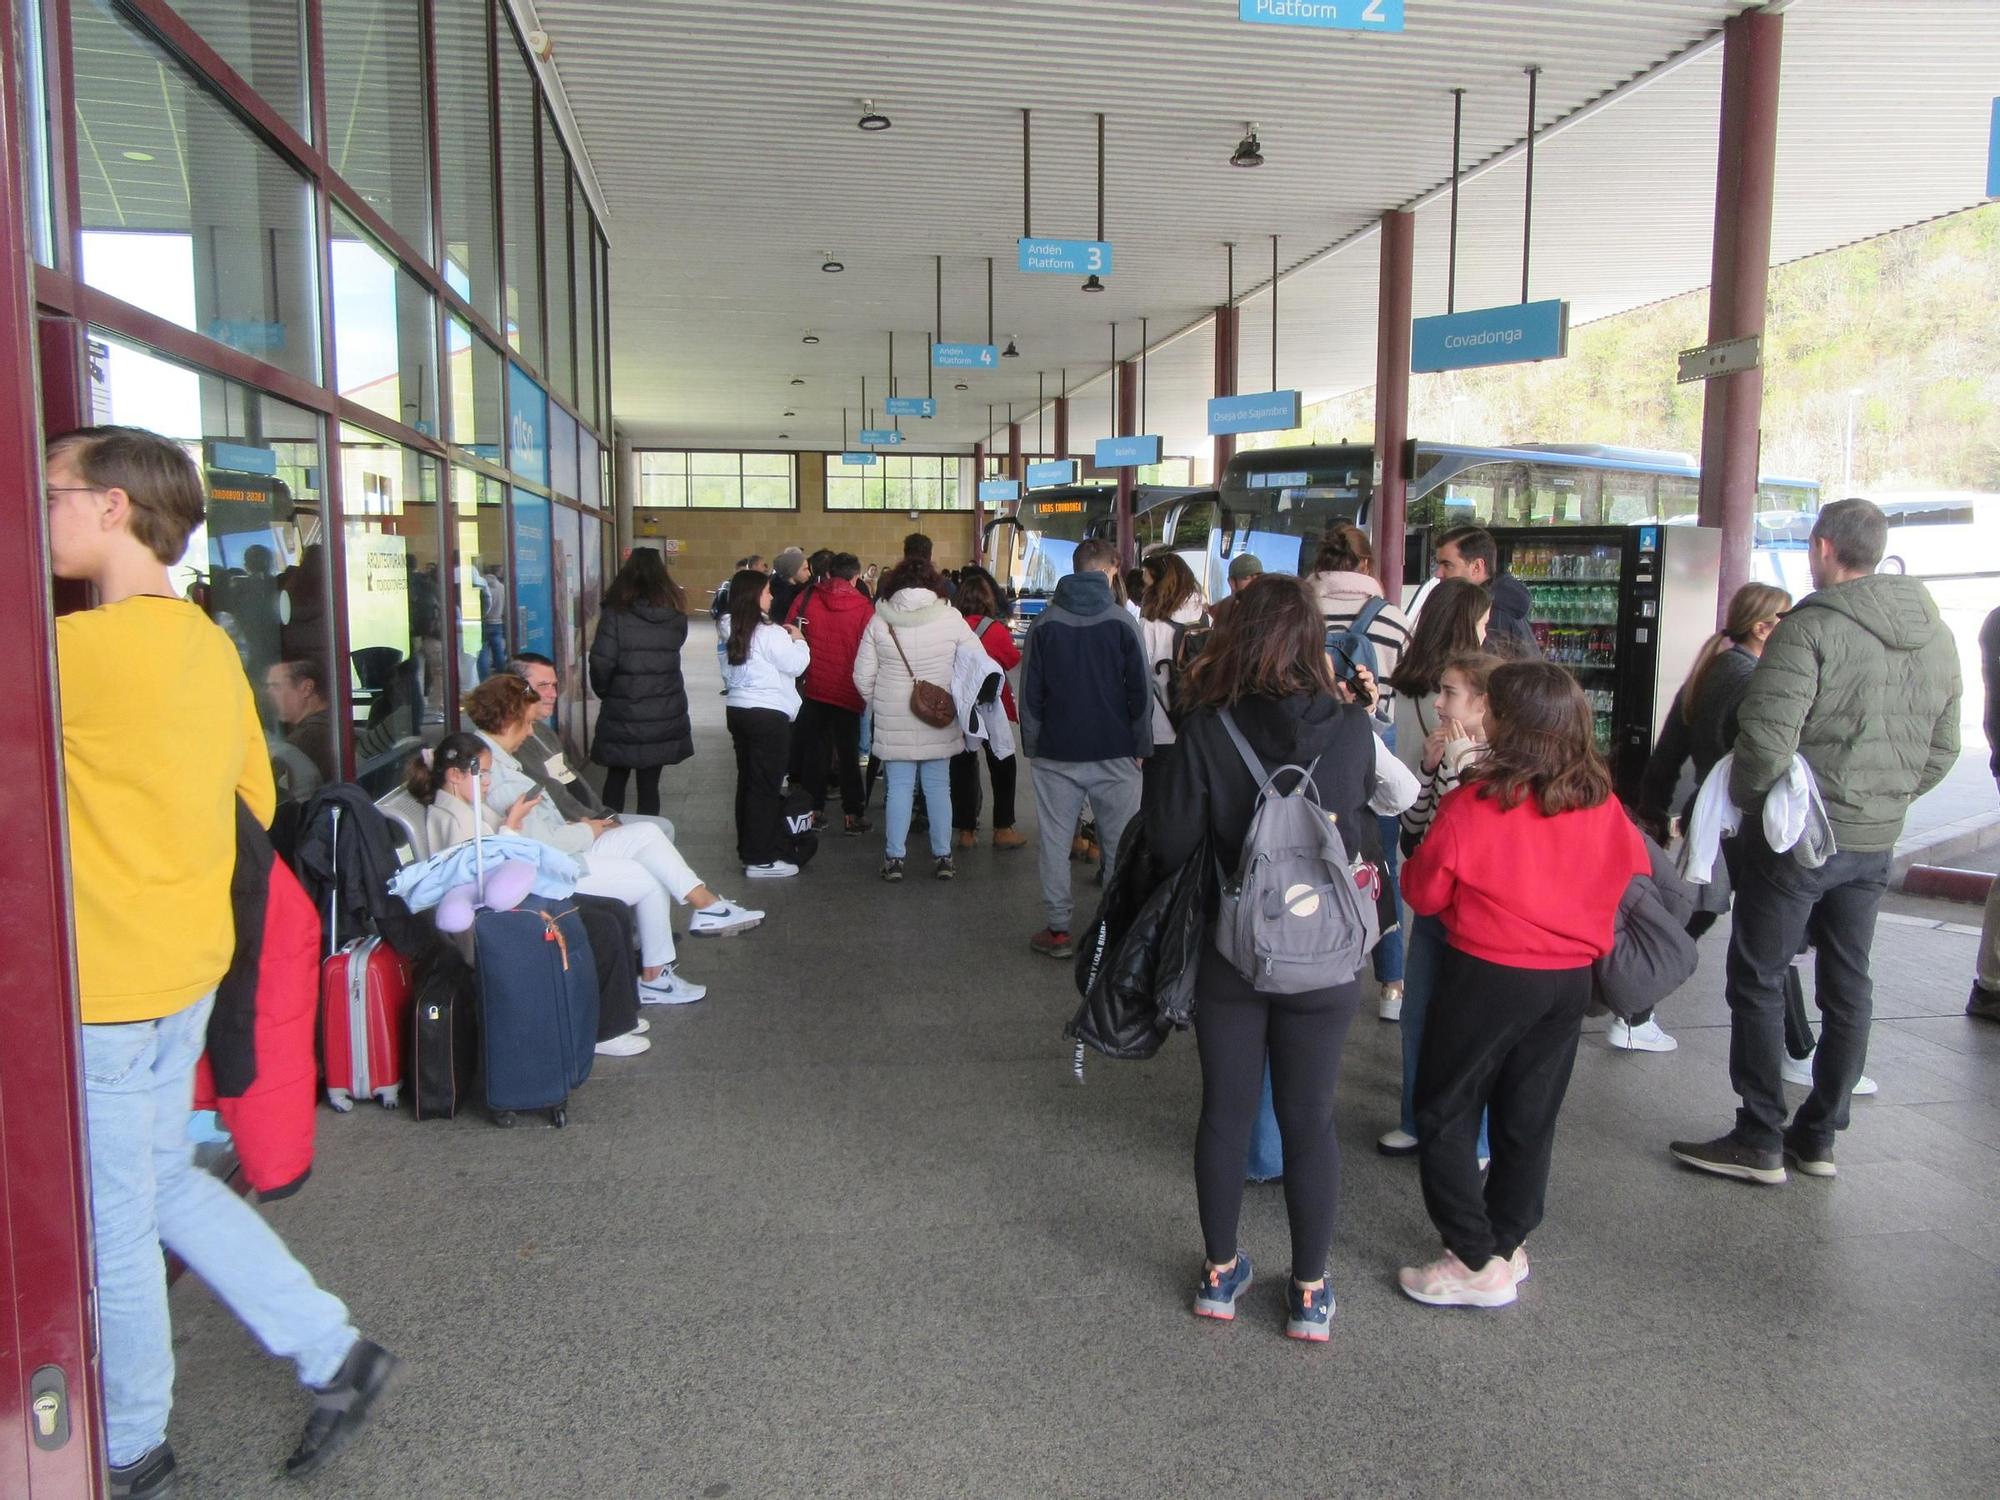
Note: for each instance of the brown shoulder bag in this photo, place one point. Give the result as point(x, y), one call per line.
point(930, 703)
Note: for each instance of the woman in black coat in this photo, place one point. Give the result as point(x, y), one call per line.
point(635, 669)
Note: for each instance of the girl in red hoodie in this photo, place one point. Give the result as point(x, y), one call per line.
point(1525, 865)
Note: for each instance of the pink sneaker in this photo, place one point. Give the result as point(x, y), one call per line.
point(1448, 1282)
point(1519, 1264)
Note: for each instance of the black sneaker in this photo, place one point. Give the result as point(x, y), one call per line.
point(1726, 1156)
point(944, 868)
point(151, 1478)
point(1983, 1003)
point(1811, 1161)
point(341, 1406)
point(892, 869)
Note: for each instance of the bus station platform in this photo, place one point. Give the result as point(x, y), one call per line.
point(853, 1228)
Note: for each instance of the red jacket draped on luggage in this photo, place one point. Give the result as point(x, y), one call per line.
point(261, 1073)
point(834, 620)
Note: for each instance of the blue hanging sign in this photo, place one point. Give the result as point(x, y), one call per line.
point(878, 437)
point(1127, 452)
point(238, 458)
point(1272, 411)
point(1055, 472)
point(910, 406)
point(1993, 155)
point(999, 489)
point(1065, 257)
point(964, 356)
point(1328, 15)
point(857, 459)
point(1509, 335)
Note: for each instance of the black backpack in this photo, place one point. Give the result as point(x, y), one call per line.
point(1189, 642)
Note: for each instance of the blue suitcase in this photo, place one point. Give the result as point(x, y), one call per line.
point(537, 1006)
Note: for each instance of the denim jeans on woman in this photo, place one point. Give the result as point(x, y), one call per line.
point(145, 1193)
point(903, 776)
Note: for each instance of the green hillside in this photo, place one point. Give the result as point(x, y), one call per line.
point(1910, 321)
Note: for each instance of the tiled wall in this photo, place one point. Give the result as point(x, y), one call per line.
point(711, 540)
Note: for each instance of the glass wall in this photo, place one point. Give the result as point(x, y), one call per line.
point(265, 42)
point(465, 155)
point(479, 564)
point(520, 200)
point(584, 259)
point(384, 331)
point(555, 245)
point(376, 136)
point(717, 481)
point(897, 481)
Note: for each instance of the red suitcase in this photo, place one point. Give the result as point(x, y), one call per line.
point(364, 1015)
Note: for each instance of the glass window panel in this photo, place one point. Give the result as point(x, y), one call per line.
point(475, 391)
point(395, 602)
point(376, 133)
point(186, 213)
point(582, 259)
point(562, 452)
point(604, 330)
point(520, 202)
point(561, 364)
point(41, 166)
point(465, 155)
point(715, 493)
point(715, 463)
point(589, 475)
point(384, 331)
point(264, 41)
point(581, 718)
point(567, 604)
point(479, 560)
point(257, 563)
point(767, 493)
point(534, 574)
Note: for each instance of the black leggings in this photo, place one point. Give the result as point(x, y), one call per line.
point(763, 739)
point(965, 789)
point(1499, 1041)
point(649, 788)
point(1234, 1027)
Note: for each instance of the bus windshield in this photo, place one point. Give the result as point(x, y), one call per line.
point(1052, 522)
point(1277, 501)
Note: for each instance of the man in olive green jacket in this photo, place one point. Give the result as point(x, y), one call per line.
point(1860, 680)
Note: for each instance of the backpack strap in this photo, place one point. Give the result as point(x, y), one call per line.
point(1258, 774)
point(985, 624)
point(1367, 613)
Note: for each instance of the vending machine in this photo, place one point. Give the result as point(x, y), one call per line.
point(1626, 609)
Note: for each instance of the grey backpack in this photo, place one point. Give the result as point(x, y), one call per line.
point(1298, 913)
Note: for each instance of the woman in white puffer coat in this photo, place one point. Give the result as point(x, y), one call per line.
point(914, 637)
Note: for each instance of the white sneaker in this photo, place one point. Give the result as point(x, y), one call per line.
point(1645, 1037)
point(629, 1045)
point(669, 989)
point(1390, 1007)
point(1397, 1142)
point(643, 1027)
point(1799, 1070)
point(724, 916)
point(777, 869)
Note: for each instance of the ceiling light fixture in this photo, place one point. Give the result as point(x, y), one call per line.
point(798, 380)
point(829, 265)
point(870, 119)
point(791, 414)
point(137, 155)
point(1096, 283)
point(1249, 150)
point(1012, 351)
point(961, 386)
point(1093, 285)
point(784, 437)
point(810, 338)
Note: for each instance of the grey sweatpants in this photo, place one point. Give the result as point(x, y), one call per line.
point(1111, 787)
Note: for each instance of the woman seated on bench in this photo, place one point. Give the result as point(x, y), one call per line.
point(441, 780)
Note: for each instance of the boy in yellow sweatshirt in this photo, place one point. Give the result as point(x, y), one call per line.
point(160, 737)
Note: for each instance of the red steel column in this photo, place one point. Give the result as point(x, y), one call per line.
point(1227, 321)
point(1127, 397)
point(1017, 467)
point(1061, 434)
point(1745, 178)
point(1392, 399)
point(978, 505)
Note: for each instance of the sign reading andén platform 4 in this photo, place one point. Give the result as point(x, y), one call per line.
point(1509, 335)
point(1127, 452)
point(910, 406)
point(1065, 257)
point(964, 356)
point(1330, 15)
point(1269, 411)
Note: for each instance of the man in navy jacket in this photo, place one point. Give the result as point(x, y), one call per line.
point(1086, 723)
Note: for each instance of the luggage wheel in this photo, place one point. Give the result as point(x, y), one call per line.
point(558, 1117)
point(504, 1118)
point(391, 1097)
point(340, 1099)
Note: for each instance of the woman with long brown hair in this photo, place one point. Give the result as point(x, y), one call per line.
point(1169, 606)
point(1264, 675)
point(635, 670)
point(1525, 864)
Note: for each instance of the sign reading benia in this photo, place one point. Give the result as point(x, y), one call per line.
point(1127, 452)
point(1509, 335)
point(1328, 15)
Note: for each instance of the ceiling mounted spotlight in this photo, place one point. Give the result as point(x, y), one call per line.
point(870, 120)
point(1095, 284)
point(784, 437)
point(961, 386)
point(1249, 150)
point(810, 338)
point(791, 414)
point(829, 265)
point(1012, 351)
point(798, 380)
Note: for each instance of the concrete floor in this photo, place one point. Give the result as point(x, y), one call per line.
point(853, 1229)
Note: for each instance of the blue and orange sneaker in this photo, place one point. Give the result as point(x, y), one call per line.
point(1215, 1296)
point(1309, 1314)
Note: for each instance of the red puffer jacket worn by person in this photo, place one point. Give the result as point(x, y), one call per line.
point(834, 620)
point(261, 1073)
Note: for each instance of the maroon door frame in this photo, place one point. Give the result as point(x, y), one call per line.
point(45, 1267)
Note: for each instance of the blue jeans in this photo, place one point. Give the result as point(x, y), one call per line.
point(493, 654)
point(145, 1193)
point(1427, 947)
point(1267, 1151)
point(1389, 952)
point(902, 776)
